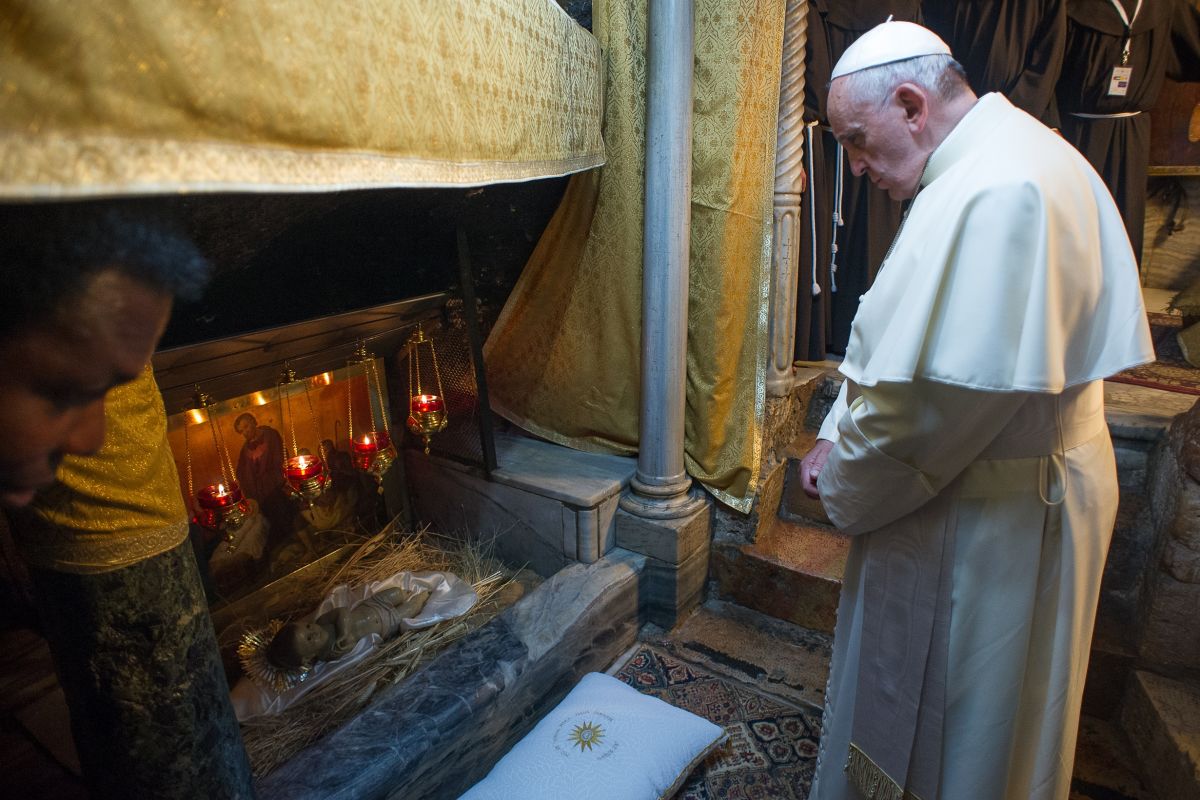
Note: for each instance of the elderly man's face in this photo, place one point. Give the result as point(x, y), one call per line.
point(53, 378)
point(878, 141)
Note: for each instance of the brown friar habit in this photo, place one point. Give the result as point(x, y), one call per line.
point(1164, 41)
point(1014, 47)
point(870, 218)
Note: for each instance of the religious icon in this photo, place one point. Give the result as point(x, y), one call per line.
point(260, 463)
point(251, 475)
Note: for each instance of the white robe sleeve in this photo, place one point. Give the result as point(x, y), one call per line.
point(902, 443)
point(834, 417)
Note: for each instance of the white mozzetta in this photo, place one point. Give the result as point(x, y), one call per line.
point(1002, 279)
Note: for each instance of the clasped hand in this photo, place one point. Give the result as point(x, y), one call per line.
point(812, 464)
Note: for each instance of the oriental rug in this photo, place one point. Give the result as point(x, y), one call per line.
point(1170, 371)
point(772, 747)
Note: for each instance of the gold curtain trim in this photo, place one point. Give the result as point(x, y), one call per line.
point(48, 546)
point(49, 167)
point(875, 784)
point(152, 96)
point(744, 494)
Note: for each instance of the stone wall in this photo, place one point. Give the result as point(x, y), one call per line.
point(1171, 253)
point(1169, 639)
point(784, 423)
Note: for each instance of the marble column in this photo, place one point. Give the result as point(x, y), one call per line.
point(661, 516)
point(137, 658)
point(660, 489)
point(789, 187)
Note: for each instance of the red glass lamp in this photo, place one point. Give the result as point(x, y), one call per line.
point(371, 451)
point(426, 406)
point(307, 475)
point(222, 508)
point(219, 506)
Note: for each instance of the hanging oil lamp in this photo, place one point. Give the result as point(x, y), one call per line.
point(371, 451)
point(426, 400)
point(307, 475)
point(222, 507)
point(219, 506)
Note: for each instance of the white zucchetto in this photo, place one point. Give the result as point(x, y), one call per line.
point(887, 42)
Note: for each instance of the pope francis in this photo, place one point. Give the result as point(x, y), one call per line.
point(968, 453)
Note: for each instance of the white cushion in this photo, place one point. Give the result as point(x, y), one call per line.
point(604, 741)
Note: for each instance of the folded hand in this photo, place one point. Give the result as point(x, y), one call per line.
point(812, 464)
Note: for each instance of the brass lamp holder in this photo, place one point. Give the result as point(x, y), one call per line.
point(220, 507)
point(426, 411)
point(376, 453)
point(302, 482)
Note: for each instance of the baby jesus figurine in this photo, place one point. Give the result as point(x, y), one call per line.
point(288, 655)
point(282, 663)
point(335, 633)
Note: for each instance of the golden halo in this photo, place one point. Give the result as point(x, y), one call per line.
point(252, 652)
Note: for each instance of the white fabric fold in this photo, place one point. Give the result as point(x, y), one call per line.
point(895, 436)
point(1049, 297)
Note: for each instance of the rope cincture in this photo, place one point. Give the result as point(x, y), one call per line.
point(1059, 460)
point(812, 204)
point(838, 219)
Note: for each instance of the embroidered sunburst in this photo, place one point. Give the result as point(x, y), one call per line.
point(587, 736)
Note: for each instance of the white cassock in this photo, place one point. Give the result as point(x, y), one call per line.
point(976, 472)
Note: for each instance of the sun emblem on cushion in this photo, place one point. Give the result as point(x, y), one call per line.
point(586, 736)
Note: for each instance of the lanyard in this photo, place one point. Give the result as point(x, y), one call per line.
point(1128, 26)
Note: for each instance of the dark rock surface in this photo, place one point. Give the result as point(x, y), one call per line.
point(137, 657)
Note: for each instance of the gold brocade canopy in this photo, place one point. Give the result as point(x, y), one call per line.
point(148, 96)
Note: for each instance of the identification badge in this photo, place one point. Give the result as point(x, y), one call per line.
point(1119, 84)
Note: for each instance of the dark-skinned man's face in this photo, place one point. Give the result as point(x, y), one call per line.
point(54, 376)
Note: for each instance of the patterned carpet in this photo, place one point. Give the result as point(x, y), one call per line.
point(772, 746)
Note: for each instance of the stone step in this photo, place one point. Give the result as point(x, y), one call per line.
point(793, 572)
point(1161, 717)
point(794, 504)
point(753, 649)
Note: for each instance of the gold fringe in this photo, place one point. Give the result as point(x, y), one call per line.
point(51, 166)
point(875, 784)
